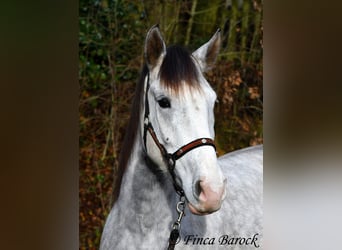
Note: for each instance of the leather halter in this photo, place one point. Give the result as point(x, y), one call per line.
point(170, 158)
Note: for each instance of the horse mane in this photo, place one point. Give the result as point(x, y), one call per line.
point(131, 132)
point(176, 71)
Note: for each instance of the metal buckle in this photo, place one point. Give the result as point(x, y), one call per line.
point(171, 161)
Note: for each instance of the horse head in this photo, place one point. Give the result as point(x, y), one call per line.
point(178, 126)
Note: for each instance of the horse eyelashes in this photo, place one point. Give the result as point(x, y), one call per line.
point(164, 103)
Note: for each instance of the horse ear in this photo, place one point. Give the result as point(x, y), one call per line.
point(154, 47)
point(207, 53)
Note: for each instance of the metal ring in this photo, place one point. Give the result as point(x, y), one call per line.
point(181, 203)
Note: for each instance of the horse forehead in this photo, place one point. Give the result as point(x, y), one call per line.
point(203, 95)
point(184, 90)
point(198, 97)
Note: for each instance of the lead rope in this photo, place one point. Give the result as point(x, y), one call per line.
point(174, 235)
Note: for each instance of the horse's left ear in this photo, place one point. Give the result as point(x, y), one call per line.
point(155, 47)
point(207, 53)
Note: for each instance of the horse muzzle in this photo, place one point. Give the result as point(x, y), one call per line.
point(208, 197)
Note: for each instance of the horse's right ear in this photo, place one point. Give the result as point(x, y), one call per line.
point(154, 47)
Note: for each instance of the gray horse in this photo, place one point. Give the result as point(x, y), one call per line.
point(175, 192)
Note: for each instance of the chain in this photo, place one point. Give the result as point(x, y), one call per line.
point(174, 235)
point(180, 211)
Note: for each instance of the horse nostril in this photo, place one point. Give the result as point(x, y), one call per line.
point(198, 189)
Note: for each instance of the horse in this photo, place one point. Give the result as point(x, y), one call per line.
point(175, 193)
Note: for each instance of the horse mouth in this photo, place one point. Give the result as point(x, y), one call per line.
point(198, 211)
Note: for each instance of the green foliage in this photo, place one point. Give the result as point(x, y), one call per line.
point(111, 37)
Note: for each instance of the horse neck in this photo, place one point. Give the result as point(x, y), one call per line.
point(141, 189)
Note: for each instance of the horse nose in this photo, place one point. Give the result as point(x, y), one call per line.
point(209, 195)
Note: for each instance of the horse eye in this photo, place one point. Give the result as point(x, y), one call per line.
point(164, 103)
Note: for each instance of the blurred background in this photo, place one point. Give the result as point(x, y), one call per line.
point(44, 206)
point(111, 39)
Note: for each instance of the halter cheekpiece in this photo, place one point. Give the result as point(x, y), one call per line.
point(170, 160)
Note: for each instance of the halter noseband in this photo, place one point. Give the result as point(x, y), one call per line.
point(170, 158)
